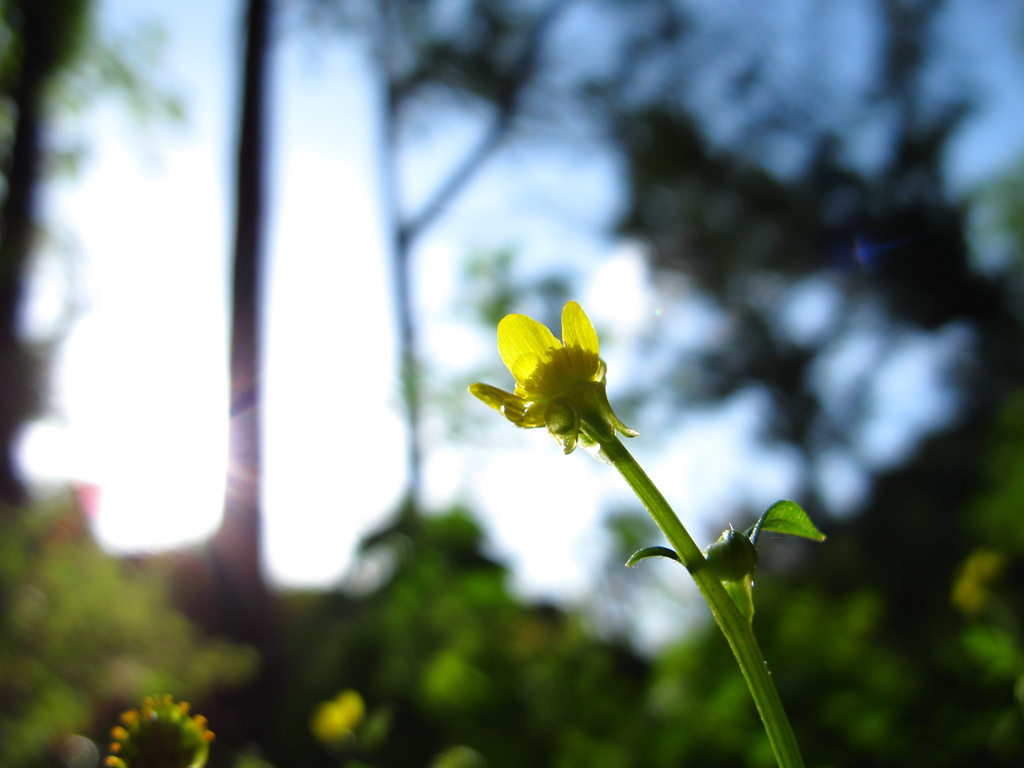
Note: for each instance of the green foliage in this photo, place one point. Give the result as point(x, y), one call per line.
point(459, 757)
point(643, 554)
point(898, 642)
point(127, 67)
point(124, 67)
point(461, 661)
point(1000, 212)
point(786, 517)
point(453, 657)
point(864, 684)
point(79, 628)
point(489, 285)
point(995, 517)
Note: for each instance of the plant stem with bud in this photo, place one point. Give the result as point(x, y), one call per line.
point(737, 630)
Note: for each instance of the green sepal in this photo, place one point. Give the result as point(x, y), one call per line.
point(592, 400)
point(741, 593)
point(563, 423)
point(643, 554)
point(785, 517)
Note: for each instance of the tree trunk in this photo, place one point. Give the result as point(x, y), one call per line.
point(44, 26)
point(245, 608)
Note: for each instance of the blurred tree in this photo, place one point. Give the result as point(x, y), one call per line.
point(245, 607)
point(901, 646)
point(53, 62)
point(41, 38)
point(871, 658)
point(485, 53)
point(78, 630)
point(883, 243)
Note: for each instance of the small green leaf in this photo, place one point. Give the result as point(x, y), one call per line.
point(786, 517)
point(642, 554)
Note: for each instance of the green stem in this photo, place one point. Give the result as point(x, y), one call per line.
point(734, 626)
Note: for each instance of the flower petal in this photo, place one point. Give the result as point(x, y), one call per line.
point(522, 413)
point(530, 372)
point(580, 340)
point(493, 396)
point(525, 345)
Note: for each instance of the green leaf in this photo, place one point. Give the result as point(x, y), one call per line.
point(786, 517)
point(642, 554)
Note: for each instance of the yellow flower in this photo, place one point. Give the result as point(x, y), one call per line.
point(973, 588)
point(161, 734)
point(558, 385)
point(335, 720)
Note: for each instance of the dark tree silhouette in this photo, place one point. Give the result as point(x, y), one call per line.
point(48, 34)
point(244, 600)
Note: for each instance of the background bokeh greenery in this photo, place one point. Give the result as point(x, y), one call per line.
point(896, 643)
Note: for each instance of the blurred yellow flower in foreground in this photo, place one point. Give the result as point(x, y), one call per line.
point(160, 734)
point(335, 720)
point(972, 590)
point(559, 384)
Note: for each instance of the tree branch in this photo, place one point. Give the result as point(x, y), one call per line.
point(508, 104)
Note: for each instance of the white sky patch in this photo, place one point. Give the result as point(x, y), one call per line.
point(685, 319)
point(810, 309)
point(540, 508)
point(911, 395)
point(889, 388)
point(448, 343)
point(992, 137)
point(841, 372)
point(437, 269)
point(445, 477)
point(841, 482)
point(435, 140)
point(139, 404)
point(620, 295)
point(550, 205)
point(335, 440)
point(716, 463)
point(140, 385)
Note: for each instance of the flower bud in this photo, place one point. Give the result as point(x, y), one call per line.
point(733, 556)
